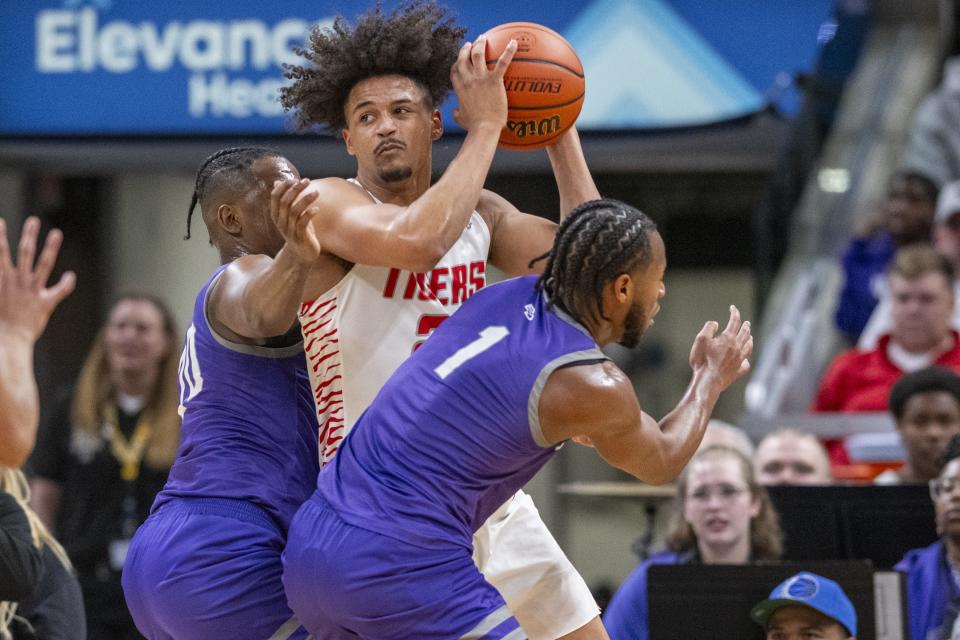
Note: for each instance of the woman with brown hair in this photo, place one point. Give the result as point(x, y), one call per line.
point(105, 452)
point(722, 516)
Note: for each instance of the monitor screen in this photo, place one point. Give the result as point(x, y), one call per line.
point(879, 523)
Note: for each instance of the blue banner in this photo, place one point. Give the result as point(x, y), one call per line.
point(210, 67)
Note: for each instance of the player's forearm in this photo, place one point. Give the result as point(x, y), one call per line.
point(19, 401)
point(271, 298)
point(682, 429)
point(441, 213)
point(570, 169)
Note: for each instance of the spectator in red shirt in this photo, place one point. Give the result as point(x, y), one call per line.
point(921, 288)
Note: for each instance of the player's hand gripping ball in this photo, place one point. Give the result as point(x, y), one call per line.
point(544, 84)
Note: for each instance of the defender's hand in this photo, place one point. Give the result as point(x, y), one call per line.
point(290, 209)
point(723, 357)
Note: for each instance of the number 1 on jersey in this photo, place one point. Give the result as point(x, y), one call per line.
point(488, 337)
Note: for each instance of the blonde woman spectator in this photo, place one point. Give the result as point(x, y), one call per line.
point(106, 451)
point(723, 516)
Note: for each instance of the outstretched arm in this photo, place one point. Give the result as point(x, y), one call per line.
point(596, 404)
point(516, 237)
point(257, 296)
point(26, 304)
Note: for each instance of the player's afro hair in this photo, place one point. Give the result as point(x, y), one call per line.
point(419, 41)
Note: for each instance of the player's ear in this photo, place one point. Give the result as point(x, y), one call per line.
point(436, 125)
point(623, 287)
point(229, 218)
point(345, 133)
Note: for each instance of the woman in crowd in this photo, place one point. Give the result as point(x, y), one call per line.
point(41, 596)
point(722, 516)
point(105, 451)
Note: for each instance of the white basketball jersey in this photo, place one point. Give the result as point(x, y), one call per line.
point(360, 331)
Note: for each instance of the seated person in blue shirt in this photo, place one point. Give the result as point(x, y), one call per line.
point(933, 572)
point(806, 606)
point(722, 516)
point(905, 218)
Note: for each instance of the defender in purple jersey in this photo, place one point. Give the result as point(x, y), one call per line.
point(383, 547)
point(206, 563)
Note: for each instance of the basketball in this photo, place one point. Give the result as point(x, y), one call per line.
point(544, 82)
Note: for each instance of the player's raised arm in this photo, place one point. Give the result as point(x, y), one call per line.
point(571, 172)
point(380, 112)
point(597, 403)
point(26, 303)
point(516, 237)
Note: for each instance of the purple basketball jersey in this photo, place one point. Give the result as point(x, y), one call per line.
point(456, 430)
point(249, 431)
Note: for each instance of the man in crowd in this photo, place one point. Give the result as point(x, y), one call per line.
point(807, 606)
point(926, 407)
point(921, 289)
point(946, 240)
point(789, 456)
point(905, 218)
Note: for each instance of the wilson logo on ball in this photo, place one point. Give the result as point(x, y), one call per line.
point(543, 127)
point(544, 84)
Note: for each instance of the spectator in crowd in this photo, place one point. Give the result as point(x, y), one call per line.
point(946, 229)
point(906, 218)
point(926, 407)
point(790, 456)
point(933, 145)
point(42, 596)
point(933, 592)
point(946, 241)
point(26, 304)
point(723, 516)
point(105, 452)
point(724, 434)
point(921, 288)
point(806, 606)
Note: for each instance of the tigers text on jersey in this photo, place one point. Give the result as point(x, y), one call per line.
point(456, 430)
point(248, 429)
point(358, 333)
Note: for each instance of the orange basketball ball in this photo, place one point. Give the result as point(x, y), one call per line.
point(544, 84)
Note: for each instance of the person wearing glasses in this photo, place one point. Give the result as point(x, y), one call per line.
point(933, 573)
point(722, 515)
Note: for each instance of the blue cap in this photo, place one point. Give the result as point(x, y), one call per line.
point(809, 590)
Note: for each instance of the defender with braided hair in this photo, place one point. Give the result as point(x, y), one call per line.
point(402, 253)
point(206, 563)
point(383, 547)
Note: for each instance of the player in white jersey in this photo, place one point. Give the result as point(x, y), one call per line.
point(401, 255)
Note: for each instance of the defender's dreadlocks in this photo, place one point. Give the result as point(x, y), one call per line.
point(222, 166)
point(598, 241)
point(418, 41)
